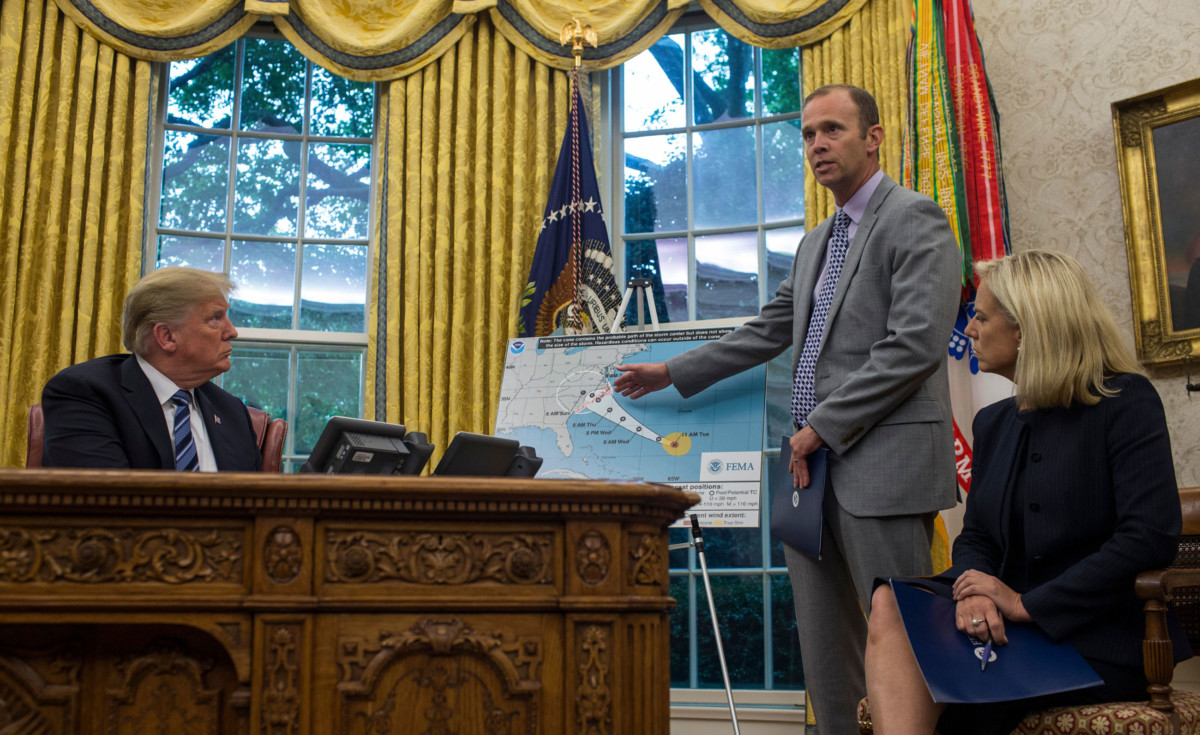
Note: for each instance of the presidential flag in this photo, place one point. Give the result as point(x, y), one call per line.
point(571, 288)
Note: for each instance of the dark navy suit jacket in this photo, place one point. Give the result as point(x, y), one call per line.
point(104, 413)
point(1101, 505)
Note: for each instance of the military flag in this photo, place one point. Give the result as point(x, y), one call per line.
point(952, 153)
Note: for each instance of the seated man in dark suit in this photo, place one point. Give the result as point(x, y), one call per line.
point(155, 408)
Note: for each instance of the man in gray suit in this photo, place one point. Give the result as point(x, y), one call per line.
point(869, 304)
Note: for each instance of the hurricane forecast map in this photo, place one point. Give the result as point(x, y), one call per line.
point(557, 397)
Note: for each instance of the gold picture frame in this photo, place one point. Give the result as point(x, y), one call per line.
point(1158, 159)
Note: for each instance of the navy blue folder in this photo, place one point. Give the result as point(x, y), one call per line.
point(1028, 666)
point(796, 512)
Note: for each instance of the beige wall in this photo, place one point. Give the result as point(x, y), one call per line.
point(1056, 66)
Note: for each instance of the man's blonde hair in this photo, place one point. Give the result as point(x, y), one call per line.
point(1069, 340)
point(167, 296)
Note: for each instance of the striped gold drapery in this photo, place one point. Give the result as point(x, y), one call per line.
point(72, 187)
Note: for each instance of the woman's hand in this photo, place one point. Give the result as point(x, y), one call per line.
point(975, 583)
point(978, 616)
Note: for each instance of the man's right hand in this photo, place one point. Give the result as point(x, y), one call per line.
point(641, 378)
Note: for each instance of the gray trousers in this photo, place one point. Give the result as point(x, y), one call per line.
point(833, 597)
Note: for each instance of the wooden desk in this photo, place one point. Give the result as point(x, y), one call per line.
point(180, 603)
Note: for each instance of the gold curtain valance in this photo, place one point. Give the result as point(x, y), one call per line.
point(375, 41)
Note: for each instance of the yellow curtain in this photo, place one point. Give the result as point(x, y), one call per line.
point(74, 118)
point(868, 51)
point(469, 147)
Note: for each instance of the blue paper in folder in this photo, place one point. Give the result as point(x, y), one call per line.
point(796, 515)
point(1029, 666)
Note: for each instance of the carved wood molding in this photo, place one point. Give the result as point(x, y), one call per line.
point(231, 494)
point(519, 659)
point(430, 662)
point(163, 690)
point(120, 554)
point(39, 689)
point(593, 691)
point(647, 560)
point(355, 556)
point(282, 555)
point(593, 557)
point(281, 679)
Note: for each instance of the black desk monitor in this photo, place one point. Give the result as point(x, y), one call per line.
point(480, 455)
point(361, 447)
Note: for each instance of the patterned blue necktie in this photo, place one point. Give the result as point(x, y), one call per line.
point(185, 445)
point(804, 393)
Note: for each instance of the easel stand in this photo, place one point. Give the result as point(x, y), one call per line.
point(698, 542)
point(643, 287)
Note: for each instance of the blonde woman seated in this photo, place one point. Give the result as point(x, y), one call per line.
point(1072, 495)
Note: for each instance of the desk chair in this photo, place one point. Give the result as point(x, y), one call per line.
point(1168, 712)
point(267, 433)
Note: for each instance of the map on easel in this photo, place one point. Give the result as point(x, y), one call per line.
point(557, 397)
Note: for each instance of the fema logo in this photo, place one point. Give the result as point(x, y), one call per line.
point(714, 466)
point(517, 347)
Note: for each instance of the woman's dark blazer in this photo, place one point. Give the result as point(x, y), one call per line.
point(1101, 505)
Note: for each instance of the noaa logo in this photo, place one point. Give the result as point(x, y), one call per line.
point(795, 499)
point(517, 347)
point(715, 465)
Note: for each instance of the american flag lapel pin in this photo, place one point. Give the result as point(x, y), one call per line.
point(216, 419)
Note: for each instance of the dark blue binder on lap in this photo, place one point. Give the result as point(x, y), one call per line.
point(1030, 664)
point(796, 515)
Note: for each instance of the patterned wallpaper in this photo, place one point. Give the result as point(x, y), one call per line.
point(1056, 67)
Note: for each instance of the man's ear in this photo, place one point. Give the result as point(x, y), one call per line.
point(164, 338)
point(874, 138)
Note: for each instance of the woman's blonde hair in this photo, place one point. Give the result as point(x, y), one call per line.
point(167, 296)
point(1069, 341)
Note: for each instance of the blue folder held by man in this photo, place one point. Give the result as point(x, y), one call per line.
point(796, 513)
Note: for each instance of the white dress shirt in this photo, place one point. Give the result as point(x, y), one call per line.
point(164, 389)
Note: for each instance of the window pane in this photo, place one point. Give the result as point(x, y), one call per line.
point(725, 188)
point(265, 276)
point(783, 171)
point(726, 275)
point(273, 87)
point(205, 253)
point(739, 603)
point(733, 548)
point(785, 646)
point(655, 184)
point(781, 251)
point(724, 77)
point(341, 107)
point(653, 84)
point(328, 384)
point(339, 191)
point(267, 193)
point(195, 180)
point(678, 559)
point(201, 90)
point(779, 400)
point(781, 81)
point(260, 378)
point(680, 637)
point(333, 290)
point(664, 262)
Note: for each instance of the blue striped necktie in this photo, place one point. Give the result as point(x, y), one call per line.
point(804, 386)
point(185, 444)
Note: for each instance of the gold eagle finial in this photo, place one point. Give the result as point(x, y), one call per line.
point(577, 34)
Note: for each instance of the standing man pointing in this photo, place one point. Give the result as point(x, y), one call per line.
point(869, 306)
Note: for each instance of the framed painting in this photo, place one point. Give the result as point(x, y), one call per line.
point(1158, 158)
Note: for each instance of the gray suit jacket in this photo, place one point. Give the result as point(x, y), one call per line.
point(882, 389)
